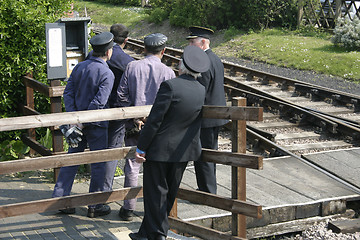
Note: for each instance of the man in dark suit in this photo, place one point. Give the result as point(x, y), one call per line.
point(169, 139)
point(213, 80)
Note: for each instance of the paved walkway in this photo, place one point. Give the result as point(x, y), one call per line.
point(284, 185)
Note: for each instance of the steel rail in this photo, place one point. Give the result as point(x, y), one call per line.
point(343, 126)
point(234, 69)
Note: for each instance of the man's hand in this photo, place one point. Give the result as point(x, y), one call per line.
point(139, 122)
point(72, 133)
point(140, 156)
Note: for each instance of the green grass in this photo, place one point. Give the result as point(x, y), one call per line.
point(307, 49)
point(108, 14)
point(296, 50)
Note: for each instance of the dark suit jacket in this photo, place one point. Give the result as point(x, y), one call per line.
point(172, 130)
point(213, 80)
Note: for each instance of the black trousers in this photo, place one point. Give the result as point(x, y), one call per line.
point(205, 171)
point(160, 186)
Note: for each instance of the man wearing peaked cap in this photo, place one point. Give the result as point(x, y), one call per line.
point(88, 88)
point(138, 86)
point(213, 80)
point(102, 42)
point(196, 32)
point(169, 139)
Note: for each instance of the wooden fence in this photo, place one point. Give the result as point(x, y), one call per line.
point(238, 159)
point(323, 13)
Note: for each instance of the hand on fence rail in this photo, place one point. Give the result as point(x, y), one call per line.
point(72, 134)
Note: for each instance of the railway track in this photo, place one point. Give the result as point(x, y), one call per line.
point(298, 117)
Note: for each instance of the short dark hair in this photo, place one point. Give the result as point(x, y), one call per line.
point(154, 50)
point(99, 54)
point(120, 32)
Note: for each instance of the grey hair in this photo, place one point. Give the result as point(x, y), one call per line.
point(185, 70)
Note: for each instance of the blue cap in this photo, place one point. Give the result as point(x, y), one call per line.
point(155, 40)
point(102, 42)
point(195, 59)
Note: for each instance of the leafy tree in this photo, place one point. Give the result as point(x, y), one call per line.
point(23, 50)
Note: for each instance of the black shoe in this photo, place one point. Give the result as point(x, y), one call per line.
point(99, 211)
point(137, 236)
point(67, 211)
point(126, 215)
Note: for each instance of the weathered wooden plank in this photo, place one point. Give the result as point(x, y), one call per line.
point(54, 204)
point(227, 204)
point(199, 231)
point(29, 111)
point(66, 160)
point(56, 91)
point(234, 113)
point(36, 85)
point(33, 144)
point(53, 119)
point(345, 226)
point(233, 159)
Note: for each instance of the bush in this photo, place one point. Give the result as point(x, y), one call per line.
point(347, 33)
point(23, 50)
point(158, 15)
point(246, 14)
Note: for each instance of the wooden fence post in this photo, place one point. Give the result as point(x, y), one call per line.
point(31, 104)
point(57, 136)
point(238, 174)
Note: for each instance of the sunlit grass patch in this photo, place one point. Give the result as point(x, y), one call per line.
point(291, 49)
point(108, 14)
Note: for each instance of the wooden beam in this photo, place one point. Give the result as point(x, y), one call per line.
point(199, 231)
point(35, 145)
point(63, 160)
point(233, 113)
point(53, 119)
point(56, 91)
point(53, 204)
point(36, 85)
point(26, 110)
point(232, 159)
point(227, 204)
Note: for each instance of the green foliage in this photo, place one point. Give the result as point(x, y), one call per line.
point(246, 14)
point(158, 15)
point(22, 50)
point(231, 32)
point(119, 2)
point(118, 172)
point(11, 150)
point(347, 33)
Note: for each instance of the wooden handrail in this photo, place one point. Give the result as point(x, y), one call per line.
point(56, 119)
point(62, 160)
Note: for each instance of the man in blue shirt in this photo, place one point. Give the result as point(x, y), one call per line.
point(88, 88)
point(138, 86)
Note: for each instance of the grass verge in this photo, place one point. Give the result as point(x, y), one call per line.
point(295, 50)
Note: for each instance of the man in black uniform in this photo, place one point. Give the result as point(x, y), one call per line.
point(169, 139)
point(213, 80)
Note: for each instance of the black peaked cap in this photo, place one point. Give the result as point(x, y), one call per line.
point(155, 40)
point(196, 31)
point(195, 59)
point(102, 42)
